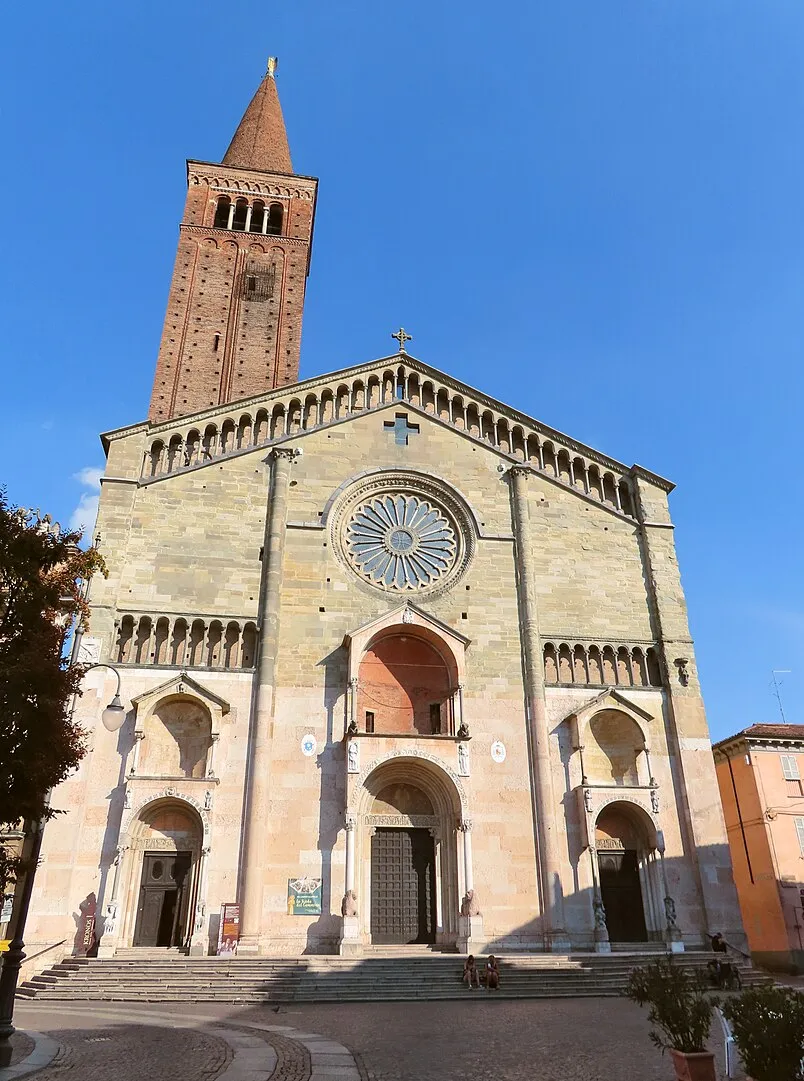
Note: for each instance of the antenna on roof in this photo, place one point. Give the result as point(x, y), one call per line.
point(779, 672)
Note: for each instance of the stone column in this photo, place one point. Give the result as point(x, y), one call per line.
point(198, 936)
point(542, 779)
point(672, 932)
point(350, 852)
point(135, 758)
point(470, 922)
point(211, 755)
point(255, 840)
point(468, 876)
point(351, 944)
point(701, 820)
point(602, 943)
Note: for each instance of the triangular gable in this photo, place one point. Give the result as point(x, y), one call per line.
point(608, 699)
point(398, 615)
point(453, 396)
point(181, 684)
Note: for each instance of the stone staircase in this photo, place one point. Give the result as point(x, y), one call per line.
point(407, 977)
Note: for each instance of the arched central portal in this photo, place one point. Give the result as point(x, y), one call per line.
point(409, 811)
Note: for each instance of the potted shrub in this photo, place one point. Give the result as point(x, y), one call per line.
point(681, 1010)
point(768, 1027)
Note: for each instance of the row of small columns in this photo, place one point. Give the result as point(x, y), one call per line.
point(249, 209)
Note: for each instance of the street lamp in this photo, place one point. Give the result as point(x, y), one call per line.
point(115, 713)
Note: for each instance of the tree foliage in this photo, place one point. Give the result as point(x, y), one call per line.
point(768, 1026)
point(42, 571)
point(677, 1005)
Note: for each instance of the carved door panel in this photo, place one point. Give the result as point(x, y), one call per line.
point(402, 886)
point(622, 895)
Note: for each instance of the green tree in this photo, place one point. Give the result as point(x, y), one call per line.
point(42, 576)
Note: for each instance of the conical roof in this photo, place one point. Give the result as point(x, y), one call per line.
point(261, 141)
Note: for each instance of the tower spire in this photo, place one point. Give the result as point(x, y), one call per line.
point(261, 141)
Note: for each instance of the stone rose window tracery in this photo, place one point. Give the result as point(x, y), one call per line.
point(401, 542)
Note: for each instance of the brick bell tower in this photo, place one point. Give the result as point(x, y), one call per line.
point(234, 314)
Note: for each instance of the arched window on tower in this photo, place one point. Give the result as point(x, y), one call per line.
point(240, 214)
point(257, 215)
point(222, 212)
point(275, 213)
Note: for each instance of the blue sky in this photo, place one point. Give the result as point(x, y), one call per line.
point(590, 210)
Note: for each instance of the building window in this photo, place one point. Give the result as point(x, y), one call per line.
point(800, 833)
point(790, 767)
point(370, 722)
point(435, 718)
point(275, 215)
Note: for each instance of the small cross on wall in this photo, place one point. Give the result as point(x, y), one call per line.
point(402, 337)
point(401, 429)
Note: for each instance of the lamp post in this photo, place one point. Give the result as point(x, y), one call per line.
point(112, 719)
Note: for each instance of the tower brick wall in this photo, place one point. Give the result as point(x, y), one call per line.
point(234, 314)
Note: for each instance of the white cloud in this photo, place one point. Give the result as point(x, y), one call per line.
point(84, 515)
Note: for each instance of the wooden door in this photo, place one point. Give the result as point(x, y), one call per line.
point(163, 901)
point(622, 895)
point(402, 886)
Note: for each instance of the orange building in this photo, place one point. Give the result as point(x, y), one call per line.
point(759, 771)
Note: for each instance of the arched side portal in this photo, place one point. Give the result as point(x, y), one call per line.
point(628, 872)
point(403, 858)
point(161, 872)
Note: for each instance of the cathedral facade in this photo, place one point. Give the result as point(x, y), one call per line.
point(400, 663)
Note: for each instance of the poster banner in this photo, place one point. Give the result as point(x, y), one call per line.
point(304, 896)
point(229, 930)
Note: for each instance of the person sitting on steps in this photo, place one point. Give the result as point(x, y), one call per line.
point(492, 974)
point(471, 977)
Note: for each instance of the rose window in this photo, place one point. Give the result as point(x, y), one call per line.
point(401, 542)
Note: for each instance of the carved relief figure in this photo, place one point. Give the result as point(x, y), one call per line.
point(353, 756)
point(349, 903)
point(463, 760)
point(469, 905)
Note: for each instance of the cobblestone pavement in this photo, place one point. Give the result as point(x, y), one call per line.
point(97, 1054)
point(480, 1039)
point(21, 1046)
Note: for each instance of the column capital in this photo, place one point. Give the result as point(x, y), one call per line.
point(465, 825)
point(351, 822)
point(521, 469)
point(283, 453)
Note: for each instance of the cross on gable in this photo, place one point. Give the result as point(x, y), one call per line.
point(402, 337)
point(401, 429)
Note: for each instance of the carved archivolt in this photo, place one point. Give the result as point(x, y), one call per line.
point(153, 797)
point(360, 781)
